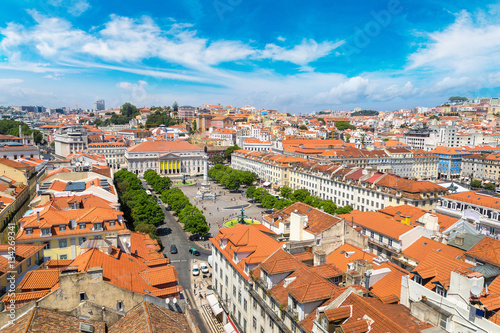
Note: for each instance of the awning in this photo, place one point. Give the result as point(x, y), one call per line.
point(266, 184)
point(214, 304)
point(228, 328)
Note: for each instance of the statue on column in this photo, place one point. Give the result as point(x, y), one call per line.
point(205, 192)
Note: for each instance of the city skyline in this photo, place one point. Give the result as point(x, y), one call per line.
point(289, 56)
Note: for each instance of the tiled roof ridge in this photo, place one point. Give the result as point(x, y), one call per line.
point(171, 318)
point(146, 312)
point(374, 309)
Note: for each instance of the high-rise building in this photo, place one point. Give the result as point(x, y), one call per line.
point(99, 105)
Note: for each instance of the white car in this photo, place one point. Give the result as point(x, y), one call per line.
point(196, 270)
point(204, 268)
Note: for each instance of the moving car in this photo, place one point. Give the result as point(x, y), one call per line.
point(173, 249)
point(204, 268)
point(196, 270)
point(194, 251)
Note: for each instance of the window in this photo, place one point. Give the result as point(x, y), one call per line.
point(47, 245)
point(262, 312)
point(239, 296)
point(418, 279)
point(372, 234)
point(28, 262)
point(244, 325)
point(97, 226)
point(81, 226)
point(82, 240)
point(440, 290)
point(390, 242)
point(245, 304)
point(45, 231)
point(29, 231)
point(62, 228)
point(63, 243)
point(119, 306)
point(83, 297)
point(63, 256)
point(380, 238)
point(111, 223)
point(234, 291)
point(254, 324)
point(19, 269)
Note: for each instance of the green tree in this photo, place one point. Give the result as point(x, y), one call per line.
point(490, 187)
point(329, 206)
point(250, 192)
point(91, 114)
point(247, 177)
point(122, 187)
point(197, 225)
point(194, 125)
point(343, 125)
point(286, 191)
point(231, 181)
point(260, 193)
point(322, 120)
point(343, 210)
point(188, 212)
point(217, 159)
point(313, 201)
point(268, 201)
point(475, 183)
point(283, 203)
point(128, 110)
point(229, 151)
point(300, 195)
point(303, 127)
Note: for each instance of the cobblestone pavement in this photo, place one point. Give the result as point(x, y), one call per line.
point(225, 207)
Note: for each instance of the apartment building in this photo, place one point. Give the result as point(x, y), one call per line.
point(69, 140)
point(481, 208)
point(63, 231)
point(227, 135)
point(450, 161)
point(27, 257)
point(114, 152)
point(482, 166)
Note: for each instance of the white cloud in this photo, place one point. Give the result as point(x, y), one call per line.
point(350, 90)
point(450, 83)
point(469, 45)
point(281, 39)
point(307, 51)
point(74, 7)
point(136, 91)
point(8, 82)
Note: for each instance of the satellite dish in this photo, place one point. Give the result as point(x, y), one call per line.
point(476, 291)
point(167, 301)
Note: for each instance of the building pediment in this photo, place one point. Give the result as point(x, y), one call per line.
point(169, 156)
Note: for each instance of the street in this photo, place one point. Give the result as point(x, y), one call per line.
point(171, 232)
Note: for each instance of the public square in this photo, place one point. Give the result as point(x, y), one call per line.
point(226, 206)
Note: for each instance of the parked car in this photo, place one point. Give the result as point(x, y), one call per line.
point(194, 251)
point(196, 270)
point(159, 202)
point(204, 268)
point(173, 249)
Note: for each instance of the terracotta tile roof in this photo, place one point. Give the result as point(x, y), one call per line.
point(23, 252)
point(327, 271)
point(160, 275)
point(279, 262)
point(475, 198)
point(346, 254)
point(46, 320)
point(54, 263)
point(437, 268)
point(400, 213)
point(494, 286)
point(162, 146)
point(247, 236)
point(339, 313)
point(149, 318)
point(39, 279)
point(383, 317)
point(304, 256)
point(423, 246)
point(487, 250)
point(377, 222)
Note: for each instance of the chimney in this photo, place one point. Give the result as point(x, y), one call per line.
point(459, 240)
point(38, 216)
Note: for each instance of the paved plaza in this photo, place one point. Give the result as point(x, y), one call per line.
point(226, 206)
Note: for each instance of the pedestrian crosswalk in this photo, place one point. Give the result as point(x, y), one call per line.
point(214, 325)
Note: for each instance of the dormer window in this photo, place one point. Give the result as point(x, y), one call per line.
point(112, 223)
point(81, 226)
point(29, 231)
point(45, 231)
point(97, 226)
point(62, 228)
point(418, 279)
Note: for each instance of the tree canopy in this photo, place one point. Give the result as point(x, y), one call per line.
point(343, 125)
point(365, 113)
point(11, 127)
point(229, 151)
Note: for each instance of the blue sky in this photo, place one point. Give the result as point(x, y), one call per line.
point(295, 56)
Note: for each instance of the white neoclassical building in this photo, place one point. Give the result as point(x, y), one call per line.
point(165, 157)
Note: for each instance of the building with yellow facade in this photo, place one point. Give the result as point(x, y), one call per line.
point(165, 157)
point(27, 257)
